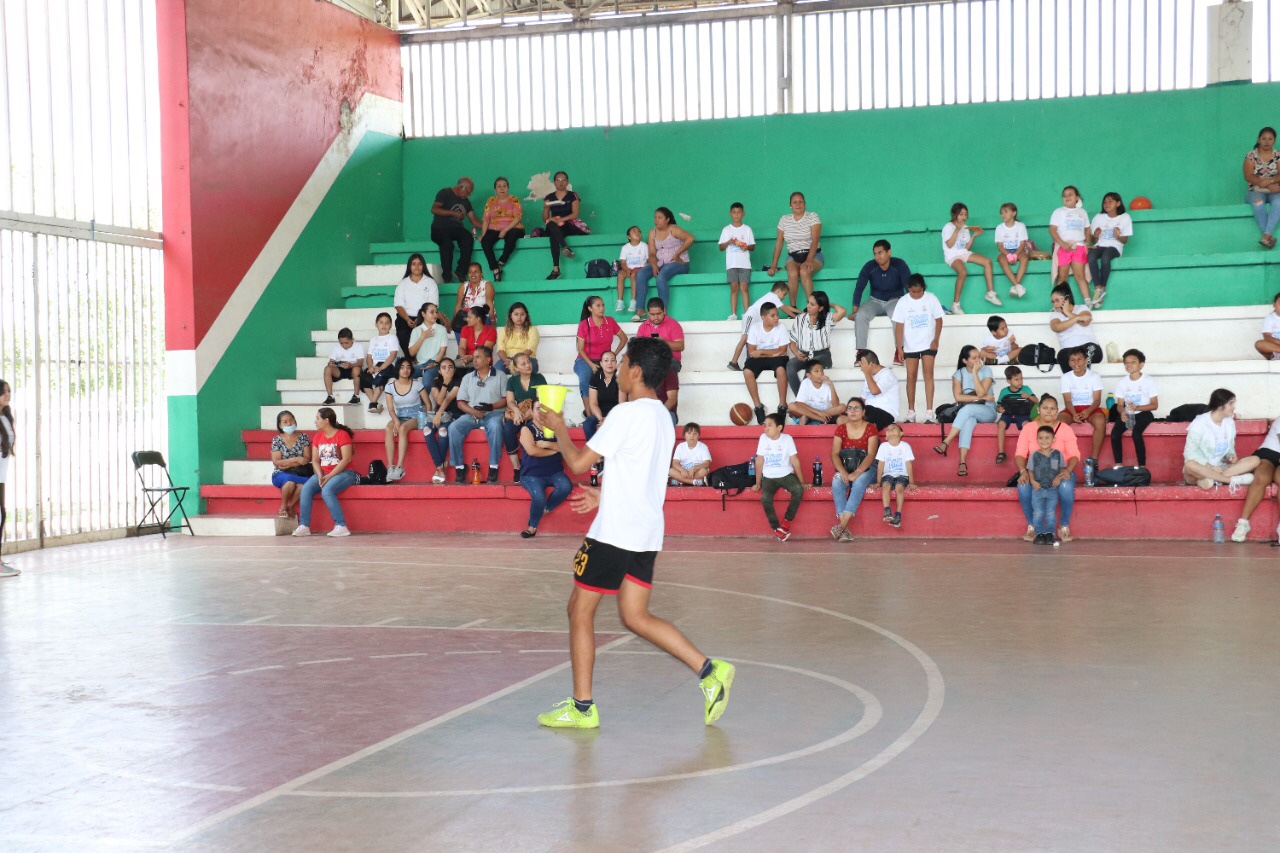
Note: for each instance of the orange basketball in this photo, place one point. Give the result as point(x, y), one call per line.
point(1140, 202)
point(740, 414)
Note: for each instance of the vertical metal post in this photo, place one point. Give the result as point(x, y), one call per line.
point(39, 391)
point(784, 16)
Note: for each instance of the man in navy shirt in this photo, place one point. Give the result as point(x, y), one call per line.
point(452, 207)
point(887, 276)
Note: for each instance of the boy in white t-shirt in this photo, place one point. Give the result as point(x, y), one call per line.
point(778, 467)
point(633, 258)
point(1269, 345)
point(380, 361)
point(767, 344)
point(896, 462)
point(691, 462)
point(776, 296)
point(816, 399)
point(1012, 246)
point(1082, 399)
point(737, 241)
point(999, 346)
point(1137, 399)
point(345, 360)
point(917, 328)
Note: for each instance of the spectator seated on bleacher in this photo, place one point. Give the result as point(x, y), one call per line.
point(451, 206)
point(887, 276)
point(668, 257)
point(1209, 457)
point(503, 220)
point(801, 231)
point(1262, 177)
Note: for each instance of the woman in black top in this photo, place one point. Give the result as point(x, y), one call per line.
point(559, 215)
point(604, 394)
point(444, 409)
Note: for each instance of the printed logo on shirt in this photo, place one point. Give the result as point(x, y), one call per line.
point(917, 320)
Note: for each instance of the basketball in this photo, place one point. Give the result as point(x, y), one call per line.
point(740, 414)
point(1140, 202)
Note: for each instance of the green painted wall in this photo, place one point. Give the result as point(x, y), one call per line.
point(1179, 148)
point(363, 205)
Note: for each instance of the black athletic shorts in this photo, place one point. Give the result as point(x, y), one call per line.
point(600, 567)
point(759, 366)
point(1267, 455)
point(345, 371)
point(921, 354)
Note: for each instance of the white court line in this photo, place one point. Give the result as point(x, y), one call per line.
point(176, 618)
point(255, 669)
point(471, 624)
point(386, 622)
point(380, 627)
point(403, 655)
point(258, 619)
point(477, 652)
point(334, 766)
point(326, 660)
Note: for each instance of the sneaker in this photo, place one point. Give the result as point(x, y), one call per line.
point(438, 477)
point(1030, 535)
point(569, 253)
point(1241, 532)
point(497, 274)
point(698, 481)
point(715, 689)
point(930, 417)
point(618, 307)
point(354, 401)
point(565, 715)
point(1054, 542)
point(733, 316)
point(1039, 540)
point(898, 359)
point(7, 570)
point(329, 401)
point(888, 516)
point(1064, 533)
point(631, 306)
point(835, 532)
point(910, 417)
point(956, 309)
point(992, 298)
point(493, 475)
point(897, 519)
point(1241, 480)
point(782, 534)
point(1099, 296)
point(1205, 483)
point(515, 475)
point(460, 476)
point(846, 536)
point(339, 531)
point(1013, 291)
point(373, 408)
point(733, 365)
point(759, 410)
point(1022, 291)
point(302, 530)
point(555, 274)
point(394, 472)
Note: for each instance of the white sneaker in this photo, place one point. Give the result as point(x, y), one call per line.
point(955, 308)
point(1241, 532)
point(930, 417)
point(992, 298)
point(302, 530)
point(910, 417)
point(8, 571)
point(733, 316)
point(698, 481)
point(394, 472)
point(339, 530)
point(631, 306)
point(1241, 480)
point(618, 307)
point(437, 477)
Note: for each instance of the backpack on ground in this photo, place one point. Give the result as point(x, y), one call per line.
point(1040, 356)
point(597, 268)
point(377, 474)
point(1126, 475)
point(735, 477)
point(1186, 413)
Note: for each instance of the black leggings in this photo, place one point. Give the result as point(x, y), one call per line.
point(491, 238)
point(1141, 421)
point(1100, 258)
point(557, 233)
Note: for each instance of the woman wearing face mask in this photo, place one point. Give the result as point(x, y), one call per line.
point(291, 455)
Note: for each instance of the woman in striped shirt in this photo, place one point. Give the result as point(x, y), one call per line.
point(801, 230)
point(811, 336)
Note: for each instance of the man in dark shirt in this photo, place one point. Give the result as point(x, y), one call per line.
point(451, 206)
point(887, 276)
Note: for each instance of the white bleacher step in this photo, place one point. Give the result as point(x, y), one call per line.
point(305, 407)
point(388, 275)
point(242, 525)
point(247, 472)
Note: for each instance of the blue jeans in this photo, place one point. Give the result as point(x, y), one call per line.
point(427, 375)
point(848, 496)
point(666, 272)
point(584, 372)
point(511, 435)
point(538, 501)
point(337, 484)
point(1066, 500)
point(1043, 503)
point(969, 417)
point(462, 427)
point(1267, 219)
point(437, 445)
point(589, 426)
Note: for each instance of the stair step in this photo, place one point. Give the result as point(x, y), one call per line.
point(243, 525)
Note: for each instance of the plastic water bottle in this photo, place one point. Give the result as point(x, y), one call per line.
point(817, 472)
point(1129, 417)
point(475, 472)
point(1219, 534)
point(595, 474)
point(751, 468)
point(1089, 468)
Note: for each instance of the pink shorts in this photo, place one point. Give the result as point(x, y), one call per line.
point(1078, 255)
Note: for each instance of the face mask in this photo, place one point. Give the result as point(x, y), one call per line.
point(290, 429)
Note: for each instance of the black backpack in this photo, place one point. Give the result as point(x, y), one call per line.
point(1186, 413)
point(1127, 475)
point(598, 268)
point(377, 474)
point(1040, 356)
point(735, 477)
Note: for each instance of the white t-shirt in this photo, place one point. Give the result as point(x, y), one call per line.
point(1271, 442)
point(1077, 335)
point(1002, 346)
point(691, 457)
point(430, 349)
point(887, 399)
point(636, 256)
point(761, 338)
point(1111, 226)
point(819, 398)
point(636, 440)
point(7, 426)
point(1010, 237)
point(1071, 222)
point(777, 455)
point(1078, 390)
point(752, 315)
point(917, 317)
point(960, 249)
point(895, 459)
point(411, 297)
point(1271, 324)
point(735, 258)
point(382, 347)
point(1221, 437)
point(355, 355)
point(1137, 393)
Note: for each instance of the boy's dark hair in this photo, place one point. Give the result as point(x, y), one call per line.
point(776, 419)
point(869, 355)
point(653, 357)
point(1083, 352)
point(767, 309)
point(692, 426)
point(881, 244)
point(656, 302)
point(1012, 371)
point(786, 288)
point(344, 332)
point(993, 322)
point(1136, 353)
point(811, 364)
point(382, 314)
point(1274, 298)
point(915, 279)
point(737, 205)
point(1044, 430)
point(635, 228)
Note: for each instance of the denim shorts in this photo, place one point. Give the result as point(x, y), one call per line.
point(894, 482)
point(413, 413)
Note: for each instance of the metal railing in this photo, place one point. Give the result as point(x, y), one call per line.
point(809, 57)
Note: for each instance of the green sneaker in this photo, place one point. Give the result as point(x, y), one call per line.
point(715, 689)
point(565, 715)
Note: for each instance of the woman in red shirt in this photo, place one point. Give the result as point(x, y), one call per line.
point(595, 338)
point(475, 334)
point(332, 448)
point(853, 452)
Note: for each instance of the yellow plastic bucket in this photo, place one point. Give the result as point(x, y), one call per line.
point(552, 396)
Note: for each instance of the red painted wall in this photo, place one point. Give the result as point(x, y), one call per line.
point(259, 87)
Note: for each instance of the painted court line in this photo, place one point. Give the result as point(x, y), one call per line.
point(403, 655)
point(386, 622)
point(334, 766)
point(471, 624)
point(380, 627)
point(255, 669)
point(326, 660)
point(258, 619)
point(476, 652)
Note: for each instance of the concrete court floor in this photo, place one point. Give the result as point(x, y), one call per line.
point(378, 694)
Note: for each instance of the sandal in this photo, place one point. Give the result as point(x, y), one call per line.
point(940, 449)
point(963, 470)
point(284, 513)
point(1000, 458)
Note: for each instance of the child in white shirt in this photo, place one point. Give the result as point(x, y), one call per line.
point(691, 462)
point(896, 463)
point(345, 361)
point(1269, 345)
point(777, 297)
point(917, 328)
point(1013, 246)
point(380, 361)
point(1069, 228)
point(633, 258)
point(999, 346)
point(1111, 229)
point(1082, 399)
point(1136, 397)
point(737, 241)
point(957, 250)
point(778, 467)
point(816, 400)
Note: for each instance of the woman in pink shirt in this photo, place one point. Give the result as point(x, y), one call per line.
point(1064, 441)
point(595, 337)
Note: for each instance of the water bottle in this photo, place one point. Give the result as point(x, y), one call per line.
point(817, 472)
point(475, 472)
point(1129, 417)
point(595, 474)
point(751, 468)
point(1090, 465)
point(1219, 534)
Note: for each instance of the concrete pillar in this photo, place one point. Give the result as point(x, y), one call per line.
point(1230, 42)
